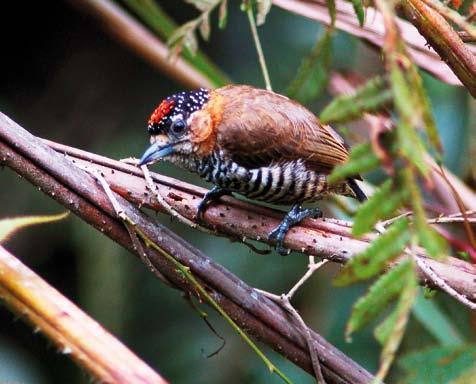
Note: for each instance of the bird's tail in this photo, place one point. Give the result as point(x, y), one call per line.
point(359, 194)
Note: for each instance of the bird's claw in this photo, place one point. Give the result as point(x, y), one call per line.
point(293, 217)
point(278, 234)
point(212, 195)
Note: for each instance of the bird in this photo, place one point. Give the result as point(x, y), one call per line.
point(254, 142)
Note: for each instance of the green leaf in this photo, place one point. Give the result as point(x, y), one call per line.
point(152, 15)
point(409, 107)
point(361, 159)
point(223, 14)
point(370, 97)
point(392, 330)
point(359, 11)
point(203, 5)
point(436, 322)
point(262, 7)
point(378, 297)
point(382, 204)
point(438, 365)
point(9, 226)
point(427, 236)
point(331, 6)
point(377, 255)
point(412, 146)
point(427, 114)
point(184, 36)
point(205, 26)
point(313, 73)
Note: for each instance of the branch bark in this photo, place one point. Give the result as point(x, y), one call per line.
point(57, 176)
point(326, 238)
point(373, 33)
point(70, 329)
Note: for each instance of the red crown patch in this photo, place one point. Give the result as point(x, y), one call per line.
point(161, 111)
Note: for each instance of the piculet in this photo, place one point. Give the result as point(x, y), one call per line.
point(254, 142)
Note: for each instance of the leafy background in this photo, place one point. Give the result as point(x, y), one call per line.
point(66, 80)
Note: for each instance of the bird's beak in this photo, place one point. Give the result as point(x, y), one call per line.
point(155, 152)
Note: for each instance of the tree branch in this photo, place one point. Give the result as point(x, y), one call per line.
point(326, 238)
point(57, 176)
point(69, 328)
point(373, 33)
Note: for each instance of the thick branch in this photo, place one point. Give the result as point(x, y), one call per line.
point(71, 330)
point(326, 238)
point(445, 40)
point(373, 33)
point(58, 177)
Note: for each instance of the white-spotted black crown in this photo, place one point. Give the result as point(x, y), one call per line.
point(182, 103)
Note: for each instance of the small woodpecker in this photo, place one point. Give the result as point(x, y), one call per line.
point(254, 142)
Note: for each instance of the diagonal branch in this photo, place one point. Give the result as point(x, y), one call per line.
point(373, 32)
point(327, 238)
point(75, 189)
point(71, 330)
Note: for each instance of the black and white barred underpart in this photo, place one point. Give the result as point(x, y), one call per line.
point(286, 182)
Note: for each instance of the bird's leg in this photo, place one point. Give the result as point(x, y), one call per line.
point(212, 195)
point(293, 217)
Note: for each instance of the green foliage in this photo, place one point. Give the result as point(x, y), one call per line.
point(382, 204)
point(331, 6)
point(379, 296)
point(427, 236)
point(160, 23)
point(377, 255)
point(391, 331)
point(359, 10)
point(262, 9)
point(440, 365)
point(370, 97)
point(313, 73)
point(436, 322)
point(9, 226)
point(362, 159)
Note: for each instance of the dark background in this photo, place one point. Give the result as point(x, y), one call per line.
point(65, 79)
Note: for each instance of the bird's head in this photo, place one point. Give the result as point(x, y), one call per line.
point(180, 126)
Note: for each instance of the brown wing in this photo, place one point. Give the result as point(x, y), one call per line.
point(258, 127)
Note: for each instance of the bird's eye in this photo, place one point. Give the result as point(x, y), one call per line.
point(178, 127)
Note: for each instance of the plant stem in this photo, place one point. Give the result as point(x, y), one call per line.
point(259, 49)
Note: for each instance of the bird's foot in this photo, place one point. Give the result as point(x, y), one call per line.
point(293, 217)
point(212, 195)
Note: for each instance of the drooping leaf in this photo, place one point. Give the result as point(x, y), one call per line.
point(262, 7)
point(377, 255)
point(359, 11)
point(393, 329)
point(382, 204)
point(362, 159)
point(438, 365)
point(223, 14)
point(436, 321)
point(427, 236)
point(427, 115)
point(184, 36)
point(9, 226)
point(205, 26)
point(313, 73)
point(378, 297)
point(203, 5)
point(371, 97)
point(409, 108)
point(331, 6)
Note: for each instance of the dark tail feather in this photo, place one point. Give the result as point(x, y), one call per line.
point(359, 194)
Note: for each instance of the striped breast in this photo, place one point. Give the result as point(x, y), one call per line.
point(280, 183)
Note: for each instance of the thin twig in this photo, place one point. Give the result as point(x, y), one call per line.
point(259, 49)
